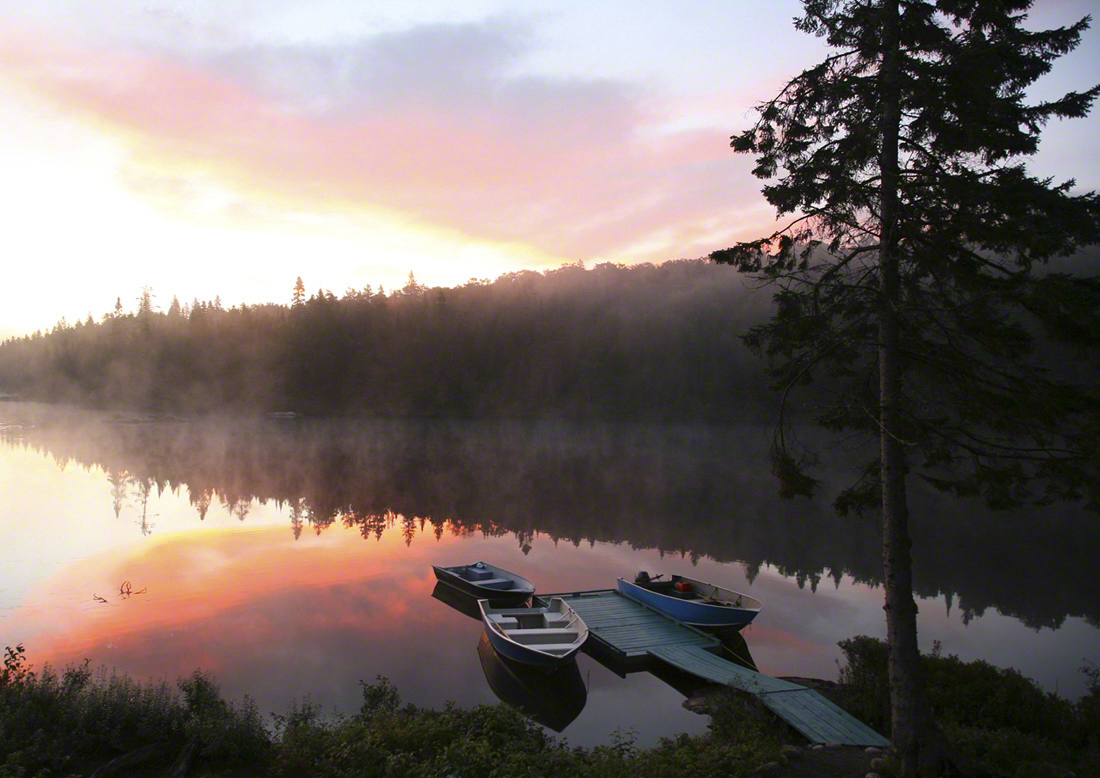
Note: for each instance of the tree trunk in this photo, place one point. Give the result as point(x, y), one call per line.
point(916, 738)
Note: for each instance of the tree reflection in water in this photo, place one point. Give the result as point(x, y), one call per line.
point(687, 490)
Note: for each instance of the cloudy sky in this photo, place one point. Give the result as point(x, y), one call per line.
point(225, 147)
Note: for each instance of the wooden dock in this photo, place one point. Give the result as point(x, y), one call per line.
point(635, 633)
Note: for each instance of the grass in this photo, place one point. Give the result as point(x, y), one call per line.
point(72, 723)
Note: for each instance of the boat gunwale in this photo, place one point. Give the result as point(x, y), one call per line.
point(549, 659)
point(700, 606)
point(522, 587)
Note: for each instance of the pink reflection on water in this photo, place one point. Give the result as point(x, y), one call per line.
point(219, 594)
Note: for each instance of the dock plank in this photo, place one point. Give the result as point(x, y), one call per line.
point(820, 720)
point(635, 631)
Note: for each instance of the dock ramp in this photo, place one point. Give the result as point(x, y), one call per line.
point(635, 632)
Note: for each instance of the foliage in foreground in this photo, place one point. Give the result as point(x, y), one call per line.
point(72, 723)
point(997, 720)
point(55, 724)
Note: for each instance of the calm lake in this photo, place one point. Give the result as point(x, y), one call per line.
point(291, 557)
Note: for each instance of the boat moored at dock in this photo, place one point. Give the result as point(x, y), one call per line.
point(483, 580)
point(545, 636)
point(693, 602)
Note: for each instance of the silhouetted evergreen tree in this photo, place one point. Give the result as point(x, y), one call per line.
point(908, 284)
point(145, 302)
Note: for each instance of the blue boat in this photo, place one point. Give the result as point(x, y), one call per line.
point(482, 579)
point(693, 602)
point(548, 636)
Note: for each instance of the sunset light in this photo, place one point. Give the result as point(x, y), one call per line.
point(564, 387)
point(207, 150)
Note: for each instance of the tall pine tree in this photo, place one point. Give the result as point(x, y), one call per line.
point(913, 282)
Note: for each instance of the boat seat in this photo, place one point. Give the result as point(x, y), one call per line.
point(545, 631)
point(557, 648)
point(539, 638)
point(505, 622)
point(496, 583)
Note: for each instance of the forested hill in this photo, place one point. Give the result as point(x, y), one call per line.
point(636, 343)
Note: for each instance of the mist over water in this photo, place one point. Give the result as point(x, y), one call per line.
point(292, 556)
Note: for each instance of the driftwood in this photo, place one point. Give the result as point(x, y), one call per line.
point(125, 590)
point(137, 756)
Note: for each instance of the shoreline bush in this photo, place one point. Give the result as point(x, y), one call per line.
point(74, 722)
point(999, 721)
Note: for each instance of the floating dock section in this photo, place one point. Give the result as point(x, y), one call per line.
point(635, 633)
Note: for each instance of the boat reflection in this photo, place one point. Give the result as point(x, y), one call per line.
point(552, 699)
point(460, 601)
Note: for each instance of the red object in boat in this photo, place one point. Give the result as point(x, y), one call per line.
point(683, 586)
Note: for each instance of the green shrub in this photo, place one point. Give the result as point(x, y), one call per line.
point(304, 741)
point(997, 719)
point(16, 671)
point(980, 695)
point(387, 740)
point(227, 733)
point(864, 689)
point(1004, 751)
point(52, 723)
point(1088, 708)
point(742, 720)
point(974, 694)
point(72, 723)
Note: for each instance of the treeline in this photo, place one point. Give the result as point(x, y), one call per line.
point(643, 342)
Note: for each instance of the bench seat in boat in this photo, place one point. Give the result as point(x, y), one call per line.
point(496, 583)
point(556, 648)
point(542, 637)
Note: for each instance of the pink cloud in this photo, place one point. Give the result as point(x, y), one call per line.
point(561, 167)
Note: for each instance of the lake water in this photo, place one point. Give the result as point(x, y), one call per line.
point(291, 557)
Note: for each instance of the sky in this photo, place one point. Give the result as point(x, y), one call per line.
point(208, 148)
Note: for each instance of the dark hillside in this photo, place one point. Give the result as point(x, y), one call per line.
point(640, 343)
